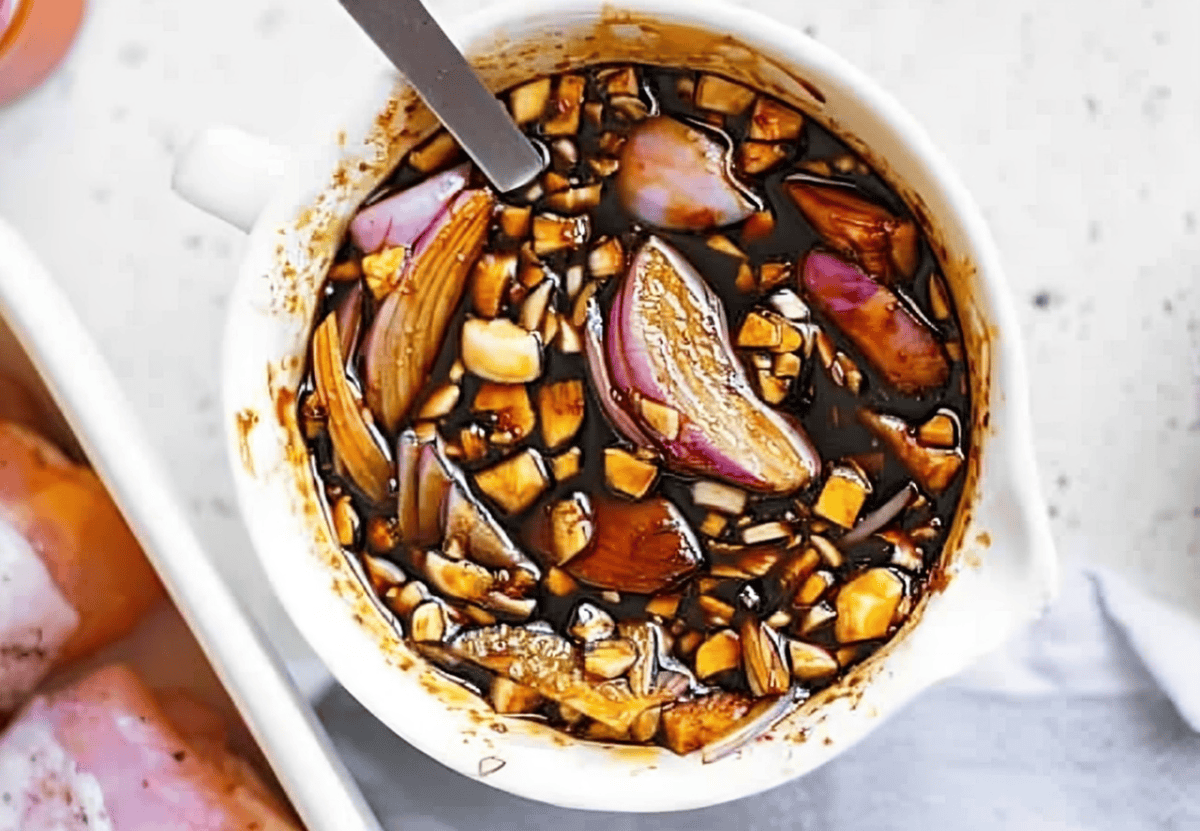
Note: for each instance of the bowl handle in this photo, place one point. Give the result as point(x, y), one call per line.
point(229, 173)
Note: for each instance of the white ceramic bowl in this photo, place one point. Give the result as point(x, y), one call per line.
point(999, 564)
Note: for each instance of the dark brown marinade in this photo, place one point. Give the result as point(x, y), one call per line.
point(826, 410)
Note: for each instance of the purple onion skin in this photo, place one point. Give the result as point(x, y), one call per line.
point(433, 485)
point(895, 342)
point(349, 320)
point(602, 383)
point(385, 337)
point(668, 341)
point(616, 350)
point(675, 176)
point(401, 219)
point(373, 345)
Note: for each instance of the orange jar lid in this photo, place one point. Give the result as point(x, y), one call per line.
point(34, 37)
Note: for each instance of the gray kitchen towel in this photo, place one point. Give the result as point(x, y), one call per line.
point(1085, 720)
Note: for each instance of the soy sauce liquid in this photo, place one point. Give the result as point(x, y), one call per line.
point(826, 410)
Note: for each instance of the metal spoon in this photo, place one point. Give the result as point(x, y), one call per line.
point(412, 40)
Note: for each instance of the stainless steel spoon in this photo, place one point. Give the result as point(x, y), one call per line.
point(412, 40)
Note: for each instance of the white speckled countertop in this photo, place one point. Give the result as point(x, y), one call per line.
point(1075, 124)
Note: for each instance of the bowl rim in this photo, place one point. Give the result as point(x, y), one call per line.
point(1015, 465)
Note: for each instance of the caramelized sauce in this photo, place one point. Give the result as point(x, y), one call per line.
point(826, 410)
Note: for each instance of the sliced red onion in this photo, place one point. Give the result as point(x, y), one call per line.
point(349, 321)
point(886, 245)
point(880, 517)
point(895, 342)
point(469, 523)
point(408, 455)
point(593, 350)
point(434, 502)
point(614, 342)
point(761, 718)
point(668, 345)
point(676, 176)
point(409, 328)
point(933, 467)
point(433, 487)
point(402, 218)
point(354, 439)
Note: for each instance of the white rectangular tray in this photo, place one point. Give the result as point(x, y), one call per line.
point(43, 344)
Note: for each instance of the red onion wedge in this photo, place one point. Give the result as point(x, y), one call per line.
point(880, 517)
point(408, 456)
point(896, 343)
point(593, 350)
point(672, 362)
point(353, 440)
point(349, 319)
point(885, 244)
point(402, 218)
point(675, 176)
point(761, 718)
point(934, 467)
point(409, 328)
point(434, 502)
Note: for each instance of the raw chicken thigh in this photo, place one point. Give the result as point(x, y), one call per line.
point(72, 577)
point(105, 755)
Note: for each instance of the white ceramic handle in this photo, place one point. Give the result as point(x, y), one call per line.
point(229, 173)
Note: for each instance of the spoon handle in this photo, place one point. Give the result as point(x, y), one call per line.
point(412, 40)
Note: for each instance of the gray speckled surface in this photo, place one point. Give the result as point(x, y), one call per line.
point(1075, 124)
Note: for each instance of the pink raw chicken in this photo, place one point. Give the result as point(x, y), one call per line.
point(104, 754)
point(72, 576)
